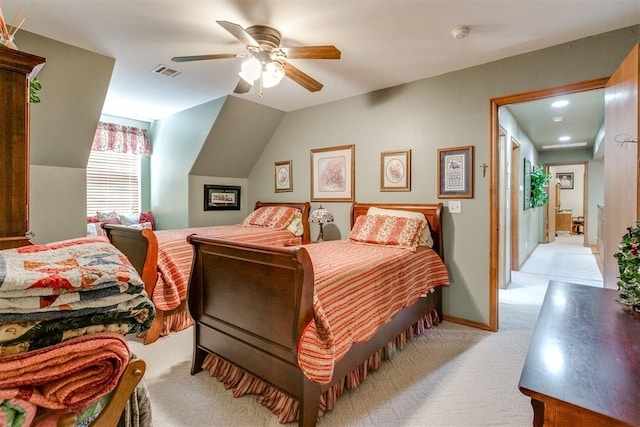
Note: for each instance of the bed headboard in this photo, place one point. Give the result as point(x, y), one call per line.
point(305, 208)
point(432, 211)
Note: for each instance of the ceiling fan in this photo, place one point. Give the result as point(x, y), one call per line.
point(267, 61)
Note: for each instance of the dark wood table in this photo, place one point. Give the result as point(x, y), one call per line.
point(583, 365)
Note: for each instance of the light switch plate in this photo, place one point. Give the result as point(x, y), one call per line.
point(455, 206)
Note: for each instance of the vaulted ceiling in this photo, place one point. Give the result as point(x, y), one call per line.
point(382, 43)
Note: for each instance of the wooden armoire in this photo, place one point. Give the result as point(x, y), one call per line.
point(16, 69)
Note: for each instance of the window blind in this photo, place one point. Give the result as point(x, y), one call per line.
point(113, 182)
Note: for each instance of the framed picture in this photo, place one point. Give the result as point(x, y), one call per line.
point(565, 179)
point(527, 185)
point(283, 177)
point(221, 198)
point(333, 174)
point(455, 172)
point(395, 171)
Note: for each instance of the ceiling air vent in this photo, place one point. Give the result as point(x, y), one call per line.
point(166, 71)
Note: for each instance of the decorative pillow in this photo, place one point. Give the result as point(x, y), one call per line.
point(95, 229)
point(109, 217)
point(147, 217)
point(387, 230)
point(296, 227)
point(140, 226)
point(425, 238)
point(92, 220)
point(129, 218)
point(276, 217)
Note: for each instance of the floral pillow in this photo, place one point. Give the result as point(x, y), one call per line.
point(387, 230)
point(276, 217)
point(147, 217)
point(425, 238)
point(109, 217)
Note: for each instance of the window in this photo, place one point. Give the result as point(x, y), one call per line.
point(113, 182)
point(113, 171)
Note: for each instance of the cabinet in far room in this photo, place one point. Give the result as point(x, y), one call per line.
point(15, 70)
point(563, 221)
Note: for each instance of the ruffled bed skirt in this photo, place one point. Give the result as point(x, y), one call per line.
point(175, 322)
point(286, 407)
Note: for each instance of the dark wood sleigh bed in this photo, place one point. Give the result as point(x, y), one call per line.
point(250, 304)
point(141, 248)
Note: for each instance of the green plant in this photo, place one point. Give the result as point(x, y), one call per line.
point(539, 180)
point(628, 257)
point(34, 87)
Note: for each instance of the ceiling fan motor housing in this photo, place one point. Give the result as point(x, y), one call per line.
point(263, 44)
point(268, 37)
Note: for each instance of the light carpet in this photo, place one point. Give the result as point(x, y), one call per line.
point(453, 375)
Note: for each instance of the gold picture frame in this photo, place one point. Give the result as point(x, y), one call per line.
point(395, 170)
point(455, 172)
point(333, 174)
point(283, 176)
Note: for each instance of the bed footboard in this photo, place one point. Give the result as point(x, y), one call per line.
point(140, 247)
point(250, 304)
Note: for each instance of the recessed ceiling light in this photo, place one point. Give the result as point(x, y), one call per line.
point(561, 103)
point(557, 119)
point(563, 146)
point(564, 138)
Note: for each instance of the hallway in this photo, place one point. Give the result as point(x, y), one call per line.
point(566, 259)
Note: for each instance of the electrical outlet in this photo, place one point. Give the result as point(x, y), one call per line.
point(455, 206)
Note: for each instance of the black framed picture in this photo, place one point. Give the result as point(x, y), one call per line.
point(527, 184)
point(221, 197)
point(565, 179)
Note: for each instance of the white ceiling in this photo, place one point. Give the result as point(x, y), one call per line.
point(581, 119)
point(383, 42)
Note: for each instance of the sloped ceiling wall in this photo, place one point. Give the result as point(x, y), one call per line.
point(75, 82)
point(237, 139)
point(222, 138)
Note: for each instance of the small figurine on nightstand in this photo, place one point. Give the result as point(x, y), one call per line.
point(321, 216)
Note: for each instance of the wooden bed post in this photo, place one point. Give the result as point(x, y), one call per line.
point(309, 405)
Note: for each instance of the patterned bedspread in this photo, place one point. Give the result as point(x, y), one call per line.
point(175, 255)
point(28, 335)
point(357, 288)
point(50, 293)
point(86, 274)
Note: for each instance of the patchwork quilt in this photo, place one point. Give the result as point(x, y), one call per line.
point(82, 274)
point(51, 293)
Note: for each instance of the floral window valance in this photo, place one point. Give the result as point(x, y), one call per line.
point(121, 139)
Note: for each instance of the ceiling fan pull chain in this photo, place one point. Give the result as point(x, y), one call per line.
point(261, 88)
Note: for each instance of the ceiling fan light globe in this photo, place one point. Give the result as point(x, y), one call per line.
point(269, 81)
point(246, 78)
point(273, 73)
point(250, 70)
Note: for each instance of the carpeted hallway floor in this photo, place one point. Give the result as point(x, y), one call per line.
point(451, 376)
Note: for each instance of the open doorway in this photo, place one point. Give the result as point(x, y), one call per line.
point(497, 175)
point(568, 213)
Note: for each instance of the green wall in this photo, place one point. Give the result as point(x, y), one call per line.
point(444, 111)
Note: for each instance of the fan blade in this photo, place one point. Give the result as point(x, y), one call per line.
point(302, 78)
point(239, 33)
point(203, 57)
point(242, 87)
point(311, 52)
